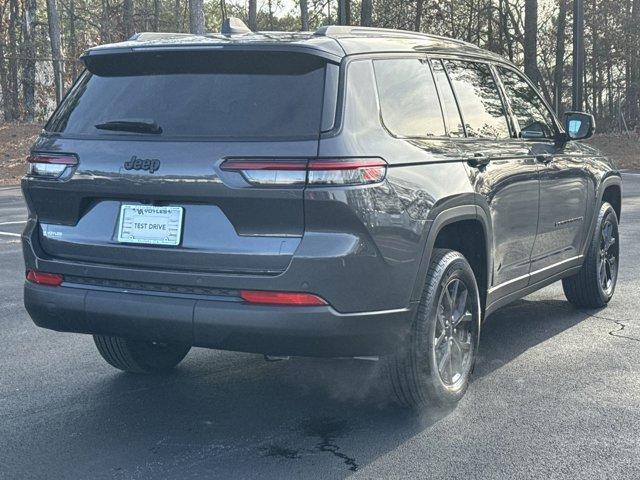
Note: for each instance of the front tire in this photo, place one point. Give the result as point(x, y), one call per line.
point(437, 362)
point(594, 284)
point(137, 356)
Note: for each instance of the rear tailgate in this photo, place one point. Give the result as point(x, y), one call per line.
point(209, 109)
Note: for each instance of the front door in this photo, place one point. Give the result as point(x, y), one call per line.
point(564, 182)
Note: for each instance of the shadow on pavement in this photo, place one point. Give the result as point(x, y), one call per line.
point(223, 412)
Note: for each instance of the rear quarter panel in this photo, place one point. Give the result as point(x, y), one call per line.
point(390, 222)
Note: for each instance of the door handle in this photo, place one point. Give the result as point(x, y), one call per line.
point(544, 158)
point(478, 160)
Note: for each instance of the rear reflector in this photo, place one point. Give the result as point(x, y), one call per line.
point(281, 298)
point(320, 171)
point(42, 278)
point(48, 165)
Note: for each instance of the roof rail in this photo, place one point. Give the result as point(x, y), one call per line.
point(331, 30)
point(146, 36)
point(338, 30)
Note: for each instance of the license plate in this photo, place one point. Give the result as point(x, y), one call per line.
point(149, 225)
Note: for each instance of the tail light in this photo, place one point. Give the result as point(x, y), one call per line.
point(281, 298)
point(318, 172)
point(49, 165)
point(42, 278)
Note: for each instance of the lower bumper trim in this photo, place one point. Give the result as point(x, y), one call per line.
point(317, 331)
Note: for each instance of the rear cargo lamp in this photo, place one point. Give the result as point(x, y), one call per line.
point(314, 172)
point(42, 278)
point(281, 298)
point(49, 166)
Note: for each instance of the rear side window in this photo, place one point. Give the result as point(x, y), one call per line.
point(198, 94)
point(479, 99)
point(534, 118)
point(449, 106)
point(408, 98)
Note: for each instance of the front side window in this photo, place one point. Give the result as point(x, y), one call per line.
point(479, 99)
point(534, 118)
point(408, 98)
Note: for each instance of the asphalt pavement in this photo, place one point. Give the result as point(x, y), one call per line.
point(556, 394)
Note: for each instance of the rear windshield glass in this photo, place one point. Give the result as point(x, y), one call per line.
point(197, 94)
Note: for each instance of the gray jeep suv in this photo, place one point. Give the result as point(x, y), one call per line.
point(351, 192)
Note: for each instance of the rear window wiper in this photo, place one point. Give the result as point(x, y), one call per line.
point(137, 126)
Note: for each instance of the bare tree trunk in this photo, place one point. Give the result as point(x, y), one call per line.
point(508, 38)
point(490, 37)
point(270, 4)
point(73, 40)
point(105, 22)
point(417, 24)
point(12, 91)
point(470, 22)
point(343, 12)
point(196, 17)
point(366, 13)
point(127, 18)
point(633, 63)
point(56, 49)
point(29, 63)
point(531, 39)
point(156, 15)
point(4, 85)
point(558, 70)
point(578, 55)
point(594, 57)
point(304, 15)
point(501, 21)
point(177, 14)
point(253, 15)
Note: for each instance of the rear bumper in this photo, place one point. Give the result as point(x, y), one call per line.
point(221, 324)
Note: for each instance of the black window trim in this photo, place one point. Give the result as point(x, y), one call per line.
point(455, 97)
point(425, 60)
point(557, 126)
point(506, 107)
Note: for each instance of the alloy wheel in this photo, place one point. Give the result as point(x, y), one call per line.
point(608, 257)
point(454, 333)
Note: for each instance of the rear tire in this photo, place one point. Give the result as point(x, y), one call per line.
point(439, 357)
point(594, 284)
point(136, 356)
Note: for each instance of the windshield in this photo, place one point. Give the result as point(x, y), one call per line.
point(196, 94)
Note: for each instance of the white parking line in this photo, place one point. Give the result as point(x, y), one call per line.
point(13, 223)
point(10, 234)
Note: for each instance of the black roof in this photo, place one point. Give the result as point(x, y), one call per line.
point(332, 42)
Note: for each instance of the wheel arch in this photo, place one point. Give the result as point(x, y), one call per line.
point(457, 228)
point(611, 192)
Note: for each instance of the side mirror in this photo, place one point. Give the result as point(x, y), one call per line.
point(578, 125)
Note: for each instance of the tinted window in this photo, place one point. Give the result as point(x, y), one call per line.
point(408, 98)
point(534, 118)
point(449, 106)
point(206, 95)
point(479, 99)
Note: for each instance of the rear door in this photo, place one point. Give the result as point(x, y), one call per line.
point(503, 174)
point(208, 107)
point(565, 186)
